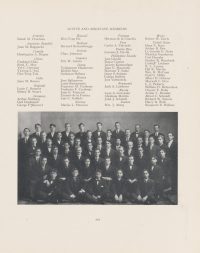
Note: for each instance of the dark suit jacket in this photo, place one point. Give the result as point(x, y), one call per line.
point(120, 135)
point(118, 187)
point(66, 171)
point(53, 188)
point(96, 189)
point(97, 164)
point(108, 172)
point(73, 186)
point(156, 137)
point(156, 174)
point(59, 145)
point(81, 136)
point(55, 163)
point(31, 151)
point(53, 138)
point(102, 135)
point(78, 163)
point(172, 151)
point(135, 135)
point(23, 148)
point(147, 188)
point(166, 166)
point(154, 151)
point(37, 173)
point(34, 135)
point(142, 163)
point(112, 154)
point(46, 152)
point(65, 137)
point(121, 164)
point(87, 172)
point(131, 173)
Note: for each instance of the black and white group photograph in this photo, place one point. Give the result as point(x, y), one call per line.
point(111, 158)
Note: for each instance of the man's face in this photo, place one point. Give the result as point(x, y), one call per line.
point(137, 128)
point(118, 142)
point(98, 175)
point(151, 140)
point(139, 140)
point(90, 146)
point(87, 162)
point(71, 136)
point(82, 128)
point(108, 145)
point(75, 173)
point(146, 134)
point(34, 142)
point(79, 151)
point(38, 128)
point(53, 175)
point(130, 145)
point(66, 162)
point(160, 140)
point(55, 151)
point(127, 133)
point(119, 174)
point(162, 153)
point(153, 161)
point(26, 132)
point(109, 133)
point(66, 145)
point(97, 153)
point(38, 152)
point(99, 127)
point(131, 160)
point(107, 161)
point(99, 141)
point(59, 136)
point(156, 128)
point(121, 151)
point(52, 129)
point(44, 161)
point(170, 136)
point(78, 142)
point(43, 136)
point(117, 126)
point(89, 134)
point(146, 174)
point(67, 127)
point(49, 142)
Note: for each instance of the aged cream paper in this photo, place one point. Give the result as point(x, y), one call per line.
point(88, 228)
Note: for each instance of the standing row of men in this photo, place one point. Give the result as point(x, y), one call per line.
point(97, 167)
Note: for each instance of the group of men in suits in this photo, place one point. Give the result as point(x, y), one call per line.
point(96, 167)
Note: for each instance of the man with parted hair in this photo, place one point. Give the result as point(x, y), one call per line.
point(99, 132)
point(37, 133)
point(118, 133)
point(156, 133)
point(97, 161)
point(82, 134)
point(66, 132)
point(97, 191)
point(122, 160)
point(136, 133)
point(52, 134)
point(146, 190)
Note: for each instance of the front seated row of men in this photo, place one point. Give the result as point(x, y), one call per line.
point(106, 185)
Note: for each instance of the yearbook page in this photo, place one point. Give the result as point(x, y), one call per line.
point(100, 126)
